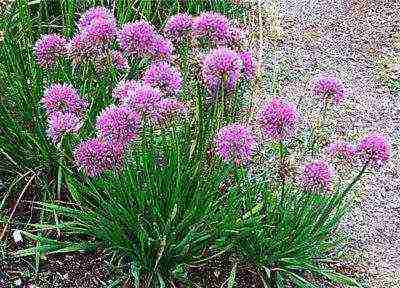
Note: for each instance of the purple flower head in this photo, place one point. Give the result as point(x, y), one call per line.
point(329, 87)
point(94, 157)
point(94, 14)
point(79, 50)
point(178, 27)
point(317, 177)
point(61, 124)
point(120, 92)
point(341, 151)
point(168, 108)
point(63, 98)
point(99, 33)
point(117, 125)
point(212, 27)
point(278, 120)
point(49, 48)
point(164, 76)
point(374, 149)
point(235, 143)
point(137, 38)
point(221, 64)
point(161, 49)
point(249, 67)
point(143, 99)
point(119, 61)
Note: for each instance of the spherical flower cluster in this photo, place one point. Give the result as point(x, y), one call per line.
point(119, 61)
point(342, 151)
point(316, 177)
point(63, 98)
point(94, 14)
point(143, 99)
point(120, 92)
point(235, 143)
point(79, 50)
point(137, 38)
point(168, 108)
point(249, 67)
point(277, 120)
point(212, 27)
point(62, 123)
point(165, 77)
point(329, 88)
point(221, 68)
point(178, 27)
point(161, 48)
point(97, 26)
point(49, 48)
point(94, 157)
point(374, 149)
point(117, 125)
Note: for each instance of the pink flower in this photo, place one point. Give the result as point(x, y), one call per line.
point(119, 61)
point(341, 151)
point(168, 108)
point(49, 48)
point(94, 157)
point(63, 98)
point(221, 65)
point(211, 27)
point(235, 143)
point(277, 120)
point(374, 149)
point(61, 124)
point(317, 177)
point(137, 38)
point(165, 77)
point(120, 92)
point(117, 125)
point(178, 27)
point(143, 100)
point(249, 67)
point(329, 88)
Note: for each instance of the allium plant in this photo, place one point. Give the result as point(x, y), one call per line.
point(148, 184)
point(63, 98)
point(211, 28)
point(178, 27)
point(235, 143)
point(165, 77)
point(49, 48)
point(221, 69)
point(278, 120)
point(329, 88)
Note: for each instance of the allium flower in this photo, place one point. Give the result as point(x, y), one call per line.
point(120, 92)
point(277, 120)
point(164, 76)
point(329, 88)
point(249, 67)
point(178, 27)
point(168, 108)
point(374, 149)
point(143, 99)
point(213, 27)
point(63, 98)
point(342, 151)
point(94, 157)
point(61, 124)
point(161, 49)
point(49, 48)
point(100, 32)
point(79, 50)
point(235, 143)
point(317, 177)
point(94, 14)
point(221, 65)
point(119, 61)
point(137, 38)
point(117, 125)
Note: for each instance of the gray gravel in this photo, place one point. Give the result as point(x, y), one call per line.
point(347, 37)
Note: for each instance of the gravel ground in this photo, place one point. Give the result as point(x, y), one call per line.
point(348, 37)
